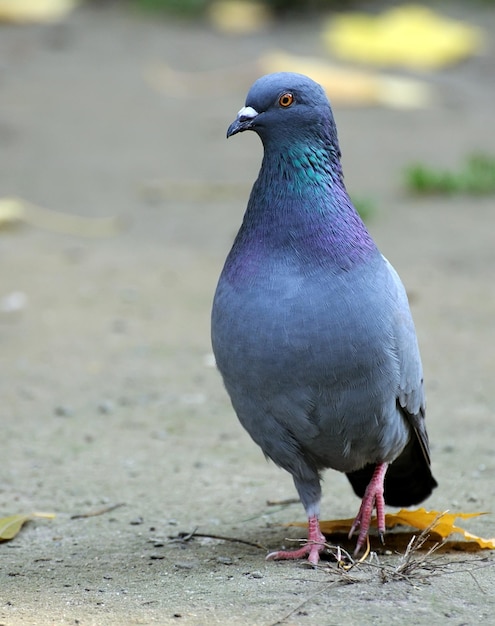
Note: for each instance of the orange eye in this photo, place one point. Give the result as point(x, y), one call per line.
point(286, 99)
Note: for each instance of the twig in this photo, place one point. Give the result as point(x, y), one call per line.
point(183, 537)
point(470, 572)
point(106, 509)
point(408, 563)
point(283, 502)
point(301, 604)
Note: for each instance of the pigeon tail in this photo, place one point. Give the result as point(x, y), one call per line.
point(408, 480)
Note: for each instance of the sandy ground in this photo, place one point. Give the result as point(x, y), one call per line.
point(108, 392)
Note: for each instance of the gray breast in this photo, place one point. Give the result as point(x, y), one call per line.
point(310, 364)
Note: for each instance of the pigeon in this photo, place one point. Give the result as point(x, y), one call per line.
point(311, 327)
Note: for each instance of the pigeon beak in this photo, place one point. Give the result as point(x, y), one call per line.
point(243, 121)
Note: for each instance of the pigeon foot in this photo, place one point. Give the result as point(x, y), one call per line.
point(373, 498)
point(315, 544)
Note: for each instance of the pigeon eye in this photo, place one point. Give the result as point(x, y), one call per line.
point(286, 99)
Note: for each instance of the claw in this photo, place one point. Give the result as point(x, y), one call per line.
point(313, 547)
point(373, 498)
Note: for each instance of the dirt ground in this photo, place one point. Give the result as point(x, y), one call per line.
point(108, 391)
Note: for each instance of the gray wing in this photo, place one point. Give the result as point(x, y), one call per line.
point(409, 479)
point(411, 396)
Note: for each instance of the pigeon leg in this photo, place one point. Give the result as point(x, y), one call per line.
point(373, 498)
point(315, 544)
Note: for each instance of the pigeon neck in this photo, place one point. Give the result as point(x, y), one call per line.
point(304, 165)
point(299, 203)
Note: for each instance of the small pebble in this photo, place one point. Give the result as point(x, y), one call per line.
point(136, 521)
point(255, 575)
point(13, 302)
point(193, 398)
point(106, 407)
point(184, 565)
point(63, 411)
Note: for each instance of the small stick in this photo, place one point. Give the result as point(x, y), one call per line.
point(191, 535)
point(106, 509)
point(301, 604)
point(283, 502)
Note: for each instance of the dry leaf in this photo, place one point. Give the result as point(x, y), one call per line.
point(16, 210)
point(239, 17)
point(343, 85)
point(420, 519)
point(34, 10)
point(11, 211)
point(351, 86)
point(445, 525)
point(10, 526)
point(410, 36)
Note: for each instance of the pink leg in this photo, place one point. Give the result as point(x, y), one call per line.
point(373, 498)
point(312, 548)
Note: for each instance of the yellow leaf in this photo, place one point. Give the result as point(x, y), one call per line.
point(342, 84)
point(34, 10)
point(484, 544)
point(350, 86)
point(442, 524)
point(238, 17)
point(412, 36)
point(10, 526)
point(13, 210)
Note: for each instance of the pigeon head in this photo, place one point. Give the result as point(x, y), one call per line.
point(286, 108)
point(299, 202)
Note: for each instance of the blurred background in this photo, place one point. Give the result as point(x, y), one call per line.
point(119, 200)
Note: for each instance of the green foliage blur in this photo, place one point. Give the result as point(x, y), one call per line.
point(476, 177)
point(365, 206)
point(278, 6)
point(172, 6)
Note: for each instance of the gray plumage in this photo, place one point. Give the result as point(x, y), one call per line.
point(311, 326)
